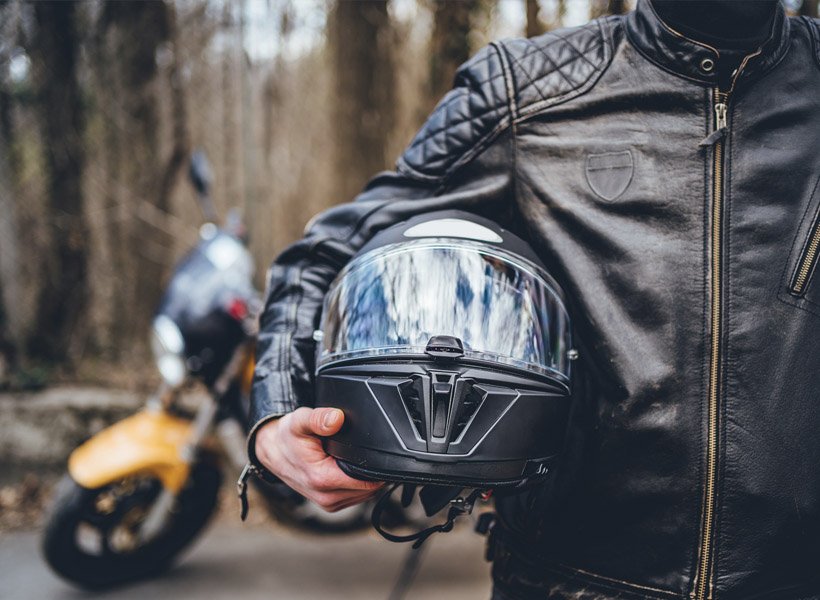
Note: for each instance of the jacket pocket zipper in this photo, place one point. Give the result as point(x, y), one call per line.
point(805, 265)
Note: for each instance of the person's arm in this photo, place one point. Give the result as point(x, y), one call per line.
point(461, 159)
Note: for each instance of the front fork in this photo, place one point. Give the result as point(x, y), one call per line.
point(162, 508)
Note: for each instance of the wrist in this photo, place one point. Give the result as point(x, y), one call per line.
point(257, 446)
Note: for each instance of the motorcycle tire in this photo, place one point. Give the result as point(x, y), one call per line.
point(74, 507)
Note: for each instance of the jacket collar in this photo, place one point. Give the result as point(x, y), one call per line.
point(694, 60)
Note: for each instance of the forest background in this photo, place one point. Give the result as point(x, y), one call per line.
point(297, 103)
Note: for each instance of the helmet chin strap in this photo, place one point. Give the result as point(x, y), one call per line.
point(459, 505)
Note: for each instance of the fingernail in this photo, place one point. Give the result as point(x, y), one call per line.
point(331, 418)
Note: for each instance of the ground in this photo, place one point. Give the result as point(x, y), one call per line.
point(259, 559)
point(239, 562)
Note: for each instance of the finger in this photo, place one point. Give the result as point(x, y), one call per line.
point(328, 476)
point(326, 421)
point(334, 501)
point(298, 421)
point(352, 501)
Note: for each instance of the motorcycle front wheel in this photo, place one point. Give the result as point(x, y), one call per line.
point(92, 536)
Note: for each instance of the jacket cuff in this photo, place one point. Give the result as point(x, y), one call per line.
point(252, 458)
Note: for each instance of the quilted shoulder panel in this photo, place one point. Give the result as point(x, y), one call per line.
point(559, 65)
point(465, 120)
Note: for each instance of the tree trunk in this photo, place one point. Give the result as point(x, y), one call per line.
point(134, 34)
point(600, 8)
point(809, 8)
point(364, 104)
point(452, 23)
point(63, 295)
point(535, 25)
point(9, 242)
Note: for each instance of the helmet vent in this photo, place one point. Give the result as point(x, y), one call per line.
point(469, 406)
point(412, 395)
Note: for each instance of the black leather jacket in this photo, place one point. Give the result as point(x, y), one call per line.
point(683, 222)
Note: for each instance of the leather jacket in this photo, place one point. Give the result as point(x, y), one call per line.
point(683, 222)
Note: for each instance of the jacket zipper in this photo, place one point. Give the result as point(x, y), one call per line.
point(807, 260)
point(704, 564)
point(703, 575)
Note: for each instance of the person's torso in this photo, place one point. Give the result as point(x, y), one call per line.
point(691, 273)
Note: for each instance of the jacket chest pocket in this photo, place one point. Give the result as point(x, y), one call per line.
point(800, 288)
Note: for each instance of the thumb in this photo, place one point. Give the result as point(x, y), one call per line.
point(326, 421)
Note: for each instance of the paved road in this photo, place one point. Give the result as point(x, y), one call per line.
point(239, 562)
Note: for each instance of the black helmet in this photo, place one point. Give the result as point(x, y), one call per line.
point(447, 345)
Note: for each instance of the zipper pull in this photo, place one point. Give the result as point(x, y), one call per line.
point(720, 126)
point(242, 489)
point(720, 115)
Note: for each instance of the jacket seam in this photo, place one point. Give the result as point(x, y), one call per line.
point(512, 106)
point(612, 582)
point(485, 142)
point(287, 344)
point(814, 35)
point(658, 65)
point(403, 167)
point(509, 86)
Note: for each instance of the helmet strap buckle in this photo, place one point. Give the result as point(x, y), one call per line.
point(461, 505)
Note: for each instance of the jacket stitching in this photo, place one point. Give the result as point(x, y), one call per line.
point(403, 167)
point(812, 216)
point(558, 68)
point(557, 37)
point(287, 342)
point(814, 34)
point(610, 582)
point(471, 154)
point(514, 110)
point(658, 65)
point(539, 107)
point(802, 303)
point(508, 84)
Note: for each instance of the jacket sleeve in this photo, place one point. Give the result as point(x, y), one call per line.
point(460, 159)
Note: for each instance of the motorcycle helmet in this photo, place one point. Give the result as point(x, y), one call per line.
point(446, 343)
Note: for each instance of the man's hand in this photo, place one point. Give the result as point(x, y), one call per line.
point(290, 448)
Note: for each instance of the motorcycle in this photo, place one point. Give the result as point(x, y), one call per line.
point(139, 492)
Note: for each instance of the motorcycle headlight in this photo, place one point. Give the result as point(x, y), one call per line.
point(168, 346)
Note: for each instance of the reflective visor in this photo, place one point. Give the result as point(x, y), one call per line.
point(392, 300)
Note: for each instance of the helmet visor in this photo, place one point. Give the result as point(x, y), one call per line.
point(391, 301)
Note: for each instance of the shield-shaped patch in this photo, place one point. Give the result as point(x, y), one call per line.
point(609, 174)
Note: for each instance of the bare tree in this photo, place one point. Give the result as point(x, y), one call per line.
point(132, 38)
point(599, 8)
point(450, 44)
point(535, 25)
point(364, 105)
point(63, 296)
point(9, 241)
